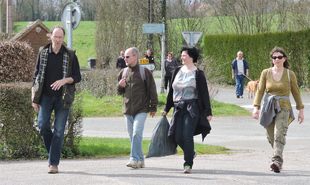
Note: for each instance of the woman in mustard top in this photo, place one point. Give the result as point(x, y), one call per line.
point(277, 113)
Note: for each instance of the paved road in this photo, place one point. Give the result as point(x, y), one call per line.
point(248, 163)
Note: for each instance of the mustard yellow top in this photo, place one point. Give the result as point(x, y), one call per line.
point(279, 88)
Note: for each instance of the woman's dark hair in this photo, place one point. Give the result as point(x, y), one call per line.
point(276, 49)
point(192, 52)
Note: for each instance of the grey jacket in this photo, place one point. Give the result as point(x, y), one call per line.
point(269, 112)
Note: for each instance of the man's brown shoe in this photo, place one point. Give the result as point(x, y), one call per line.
point(53, 169)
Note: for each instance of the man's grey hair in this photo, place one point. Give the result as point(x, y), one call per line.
point(239, 52)
point(134, 51)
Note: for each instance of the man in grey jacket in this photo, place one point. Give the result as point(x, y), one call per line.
point(56, 72)
point(139, 98)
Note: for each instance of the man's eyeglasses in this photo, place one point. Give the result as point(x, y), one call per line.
point(279, 57)
point(60, 38)
point(127, 56)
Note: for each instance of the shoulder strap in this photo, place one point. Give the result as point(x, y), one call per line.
point(267, 73)
point(124, 72)
point(142, 73)
point(288, 75)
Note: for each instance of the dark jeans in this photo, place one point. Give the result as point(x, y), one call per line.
point(52, 139)
point(184, 132)
point(167, 79)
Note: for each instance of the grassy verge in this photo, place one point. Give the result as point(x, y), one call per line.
point(112, 107)
point(115, 147)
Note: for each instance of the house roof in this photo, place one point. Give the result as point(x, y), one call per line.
point(29, 27)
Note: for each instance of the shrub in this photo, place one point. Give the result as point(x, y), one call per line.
point(17, 61)
point(101, 82)
point(73, 132)
point(213, 75)
point(18, 135)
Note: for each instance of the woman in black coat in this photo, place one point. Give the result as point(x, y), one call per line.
point(189, 95)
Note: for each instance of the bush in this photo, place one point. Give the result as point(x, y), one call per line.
point(17, 61)
point(101, 82)
point(73, 132)
point(18, 135)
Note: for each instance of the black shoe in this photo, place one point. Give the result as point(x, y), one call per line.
point(238, 96)
point(275, 167)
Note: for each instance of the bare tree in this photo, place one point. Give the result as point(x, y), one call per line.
point(189, 19)
point(88, 9)
point(119, 26)
point(300, 14)
point(244, 16)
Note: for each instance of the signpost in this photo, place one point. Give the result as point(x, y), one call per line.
point(71, 17)
point(159, 29)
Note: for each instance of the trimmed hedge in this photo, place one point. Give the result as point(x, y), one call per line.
point(256, 49)
point(17, 61)
point(18, 134)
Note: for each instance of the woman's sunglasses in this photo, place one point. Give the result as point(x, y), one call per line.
point(279, 57)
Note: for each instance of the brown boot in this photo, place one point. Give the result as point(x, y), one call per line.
point(53, 169)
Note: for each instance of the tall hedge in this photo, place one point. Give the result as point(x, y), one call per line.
point(256, 49)
point(17, 61)
point(18, 134)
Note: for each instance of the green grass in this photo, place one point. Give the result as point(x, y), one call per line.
point(115, 147)
point(101, 107)
point(112, 107)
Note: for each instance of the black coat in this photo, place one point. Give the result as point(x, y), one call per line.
point(203, 126)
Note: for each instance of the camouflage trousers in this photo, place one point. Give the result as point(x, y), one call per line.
point(276, 133)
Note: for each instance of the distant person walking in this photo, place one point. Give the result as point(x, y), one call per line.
point(170, 66)
point(120, 64)
point(240, 69)
point(56, 73)
point(189, 95)
point(276, 83)
point(174, 59)
point(139, 97)
point(150, 57)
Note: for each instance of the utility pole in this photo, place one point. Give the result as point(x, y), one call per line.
point(1, 18)
point(9, 17)
point(150, 36)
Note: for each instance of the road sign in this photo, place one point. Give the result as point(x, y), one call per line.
point(144, 61)
point(151, 66)
point(191, 37)
point(154, 28)
point(76, 15)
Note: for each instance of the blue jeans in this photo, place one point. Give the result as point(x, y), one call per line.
point(184, 133)
point(52, 139)
point(239, 84)
point(135, 126)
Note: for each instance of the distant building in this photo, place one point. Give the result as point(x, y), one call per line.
point(35, 33)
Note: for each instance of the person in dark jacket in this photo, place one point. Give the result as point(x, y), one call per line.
point(240, 70)
point(120, 64)
point(139, 98)
point(150, 57)
point(170, 65)
point(189, 95)
point(56, 73)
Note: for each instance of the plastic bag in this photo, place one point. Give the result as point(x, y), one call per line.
point(161, 144)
